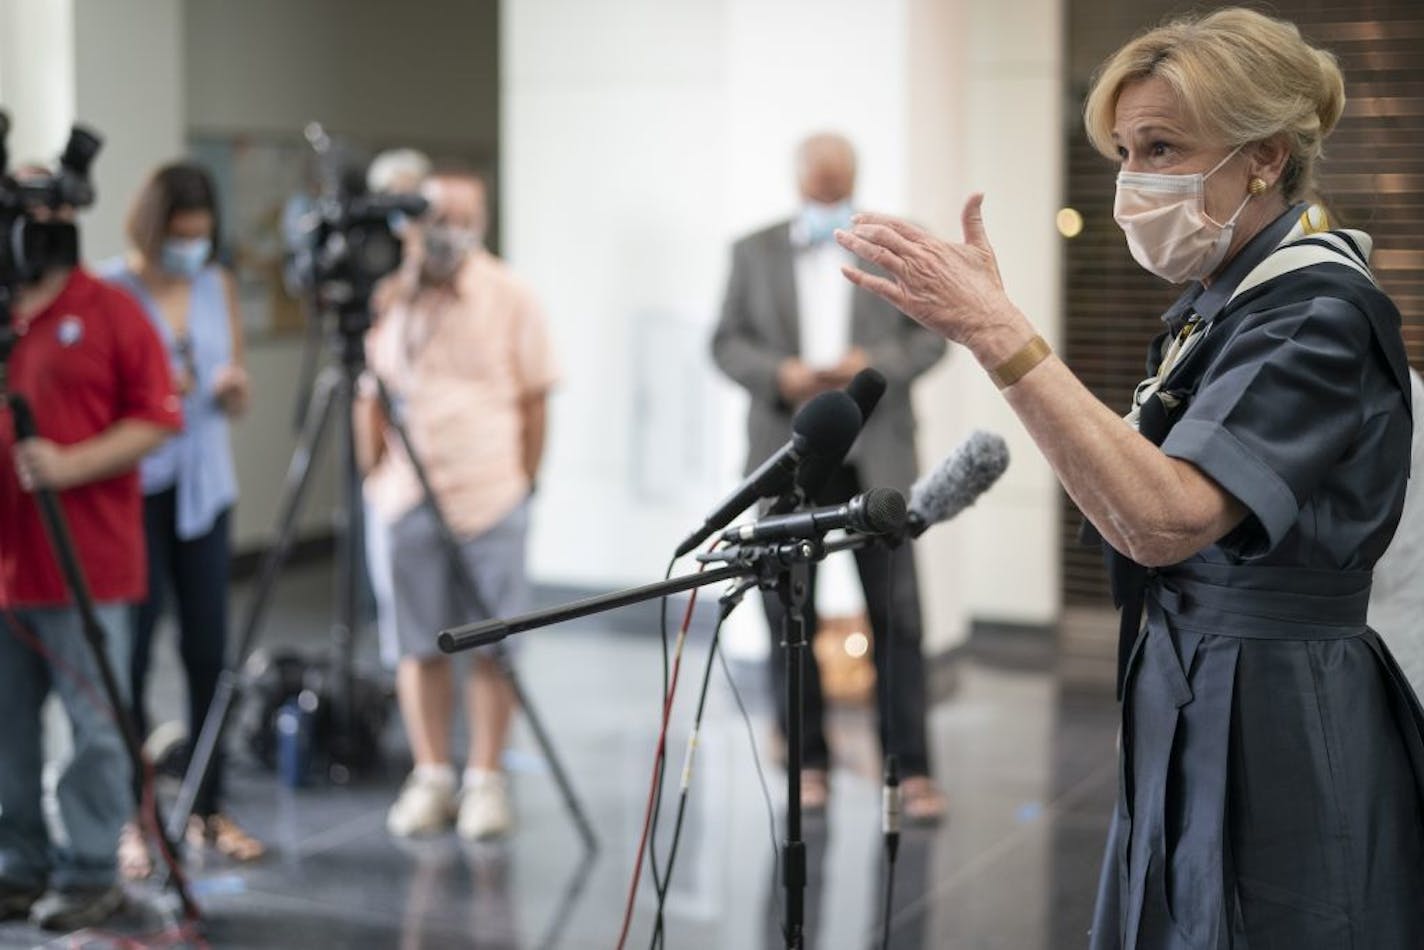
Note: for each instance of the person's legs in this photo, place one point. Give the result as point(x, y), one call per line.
point(425, 689)
point(95, 792)
point(816, 754)
point(489, 705)
point(424, 679)
point(377, 548)
point(201, 574)
point(892, 600)
point(495, 563)
point(159, 527)
point(24, 841)
point(201, 571)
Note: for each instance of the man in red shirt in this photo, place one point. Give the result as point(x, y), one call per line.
point(97, 378)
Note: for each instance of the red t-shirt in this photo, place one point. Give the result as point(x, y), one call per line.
point(85, 362)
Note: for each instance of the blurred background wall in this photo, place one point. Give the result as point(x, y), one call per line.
point(630, 141)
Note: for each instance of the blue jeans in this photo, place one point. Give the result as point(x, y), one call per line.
point(95, 792)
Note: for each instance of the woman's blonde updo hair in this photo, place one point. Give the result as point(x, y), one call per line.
point(1242, 77)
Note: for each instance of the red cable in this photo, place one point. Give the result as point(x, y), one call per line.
point(657, 764)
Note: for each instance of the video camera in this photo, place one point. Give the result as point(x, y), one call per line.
point(34, 237)
point(346, 242)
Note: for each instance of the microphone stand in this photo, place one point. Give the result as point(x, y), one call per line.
point(781, 566)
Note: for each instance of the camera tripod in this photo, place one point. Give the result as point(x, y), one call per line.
point(334, 393)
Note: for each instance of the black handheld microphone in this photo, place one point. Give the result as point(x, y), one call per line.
point(877, 511)
point(957, 482)
point(865, 391)
point(866, 388)
point(824, 427)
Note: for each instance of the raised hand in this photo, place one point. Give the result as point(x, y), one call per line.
point(953, 289)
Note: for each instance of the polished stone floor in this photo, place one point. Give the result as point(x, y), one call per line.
point(1026, 759)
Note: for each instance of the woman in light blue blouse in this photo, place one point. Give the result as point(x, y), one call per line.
point(189, 483)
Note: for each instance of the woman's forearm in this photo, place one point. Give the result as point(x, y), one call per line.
point(1155, 509)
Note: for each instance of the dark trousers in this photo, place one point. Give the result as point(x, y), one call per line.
point(196, 574)
point(892, 600)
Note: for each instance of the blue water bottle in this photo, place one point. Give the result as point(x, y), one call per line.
point(294, 734)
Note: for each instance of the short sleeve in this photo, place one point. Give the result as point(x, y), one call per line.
point(1276, 410)
point(535, 365)
point(145, 380)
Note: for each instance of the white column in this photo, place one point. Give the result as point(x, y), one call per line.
point(627, 175)
point(37, 76)
point(116, 65)
point(986, 114)
point(128, 83)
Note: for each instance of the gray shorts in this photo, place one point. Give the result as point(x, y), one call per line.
point(430, 597)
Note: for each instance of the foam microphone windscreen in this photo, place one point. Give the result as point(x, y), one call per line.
point(826, 425)
point(958, 481)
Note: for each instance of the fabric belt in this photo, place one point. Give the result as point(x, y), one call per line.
point(1263, 603)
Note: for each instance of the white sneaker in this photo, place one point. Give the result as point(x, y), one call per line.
point(484, 808)
point(425, 806)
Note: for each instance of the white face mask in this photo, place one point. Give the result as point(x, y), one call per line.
point(1168, 230)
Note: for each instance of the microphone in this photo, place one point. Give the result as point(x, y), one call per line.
point(877, 511)
point(957, 482)
point(865, 389)
point(824, 427)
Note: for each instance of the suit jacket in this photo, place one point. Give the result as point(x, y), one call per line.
point(760, 327)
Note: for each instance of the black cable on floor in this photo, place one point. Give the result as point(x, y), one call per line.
point(658, 929)
point(713, 654)
point(761, 776)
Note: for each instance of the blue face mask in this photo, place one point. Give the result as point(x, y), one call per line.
point(186, 257)
point(820, 221)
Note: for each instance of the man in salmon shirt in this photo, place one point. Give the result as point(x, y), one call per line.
point(97, 378)
point(463, 348)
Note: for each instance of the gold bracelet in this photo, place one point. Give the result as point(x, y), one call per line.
point(1014, 368)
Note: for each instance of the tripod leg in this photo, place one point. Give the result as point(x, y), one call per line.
point(546, 745)
point(345, 743)
point(462, 571)
point(299, 473)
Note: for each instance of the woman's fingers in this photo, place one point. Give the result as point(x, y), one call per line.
point(863, 246)
point(975, 234)
point(880, 286)
point(904, 228)
point(888, 238)
point(972, 220)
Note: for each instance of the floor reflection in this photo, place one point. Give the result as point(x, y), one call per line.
point(1026, 760)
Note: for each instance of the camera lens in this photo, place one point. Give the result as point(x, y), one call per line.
point(79, 152)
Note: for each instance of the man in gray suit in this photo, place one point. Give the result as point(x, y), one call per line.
point(792, 327)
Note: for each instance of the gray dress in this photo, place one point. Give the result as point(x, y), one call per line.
point(1272, 759)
